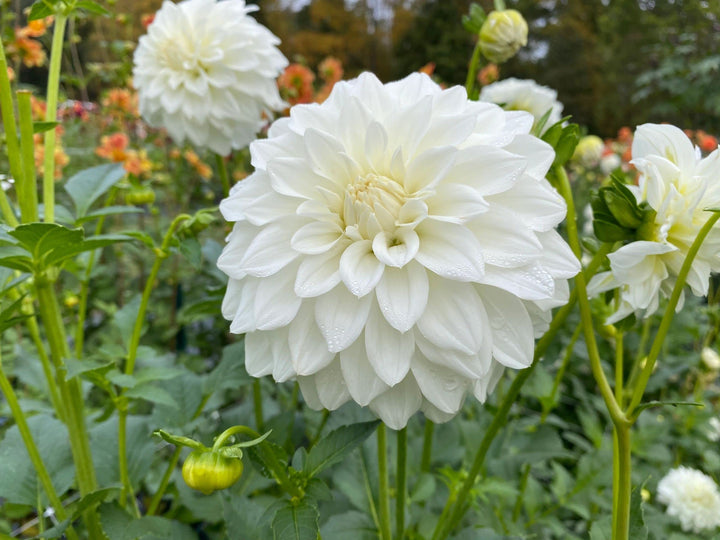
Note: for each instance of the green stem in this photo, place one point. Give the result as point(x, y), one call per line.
point(321, 426)
point(25, 186)
point(561, 373)
point(35, 458)
point(637, 362)
point(257, 404)
point(223, 172)
point(401, 483)
point(384, 490)
point(616, 413)
point(85, 285)
point(647, 370)
point(523, 486)
point(229, 432)
point(11, 139)
point(172, 463)
point(160, 255)
point(71, 396)
point(458, 504)
point(127, 490)
point(427, 445)
point(53, 88)
point(621, 499)
point(472, 70)
point(619, 367)
point(46, 366)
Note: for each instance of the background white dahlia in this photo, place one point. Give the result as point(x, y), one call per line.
point(692, 497)
point(394, 246)
point(524, 95)
point(206, 72)
point(679, 185)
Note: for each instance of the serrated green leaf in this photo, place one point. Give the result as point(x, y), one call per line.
point(337, 445)
point(75, 367)
point(88, 185)
point(16, 258)
point(263, 462)
point(296, 522)
point(601, 529)
point(61, 253)
point(152, 393)
point(74, 510)
point(230, 372)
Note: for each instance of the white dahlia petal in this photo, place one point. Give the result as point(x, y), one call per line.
point(402, 250)
point(679, 185)
point(206, 72)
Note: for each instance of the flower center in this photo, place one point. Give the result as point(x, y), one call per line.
point(372, 204)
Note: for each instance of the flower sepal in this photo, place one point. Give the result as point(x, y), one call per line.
point(473, 21)
point(617, 216)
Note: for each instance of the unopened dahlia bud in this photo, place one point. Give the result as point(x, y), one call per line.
point(589, 151)
point(208, 470)
point(502, 34)
point(710, 358)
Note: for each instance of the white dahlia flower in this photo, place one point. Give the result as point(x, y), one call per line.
point(524, 95)
point(206, 72)
point(394, 246)
point(679, 185)
point(692, 497)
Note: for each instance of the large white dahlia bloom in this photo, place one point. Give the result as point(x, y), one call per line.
point(524, 95)
point(692, 497)
point(394, 246)
point(206, 72)
point(679, 185)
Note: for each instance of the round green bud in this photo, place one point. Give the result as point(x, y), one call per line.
point(502, 34)
point(208, 471)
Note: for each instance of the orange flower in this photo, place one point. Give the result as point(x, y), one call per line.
point(113, 147)
point(296, 84)
point(625, 134)
point(202, 168)
point(707, 143)
point(137, 163)
point(28, 50)
point(35, 28)
point(147, 19)
point(489, 74)
point(121, 100)
point(11, 73)
point(38, 108)
point(428, 69)
point(330, 70)
point(61, 158)
point(323, 93)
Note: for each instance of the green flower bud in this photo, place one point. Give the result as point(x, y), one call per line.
point(140, 195)
point(208, 470)
point(502, 34)
point(589, 151)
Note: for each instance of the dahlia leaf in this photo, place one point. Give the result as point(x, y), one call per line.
point(638, 528)
point(333, 448)
point(296, 522)
point(88, 185)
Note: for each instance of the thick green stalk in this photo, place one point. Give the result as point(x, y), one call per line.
point(26, 188)
point(401, 483)
point(455, 507)
point(35, 458)
point(53, 88)
point(426, 458)
point(223, 172)
point(11, 139)
point(384, 489)
point(46, 366)
point(71, 396)
point(621, 499)
point(647, 370)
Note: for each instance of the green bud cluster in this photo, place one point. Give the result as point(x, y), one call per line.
point(617, 216)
